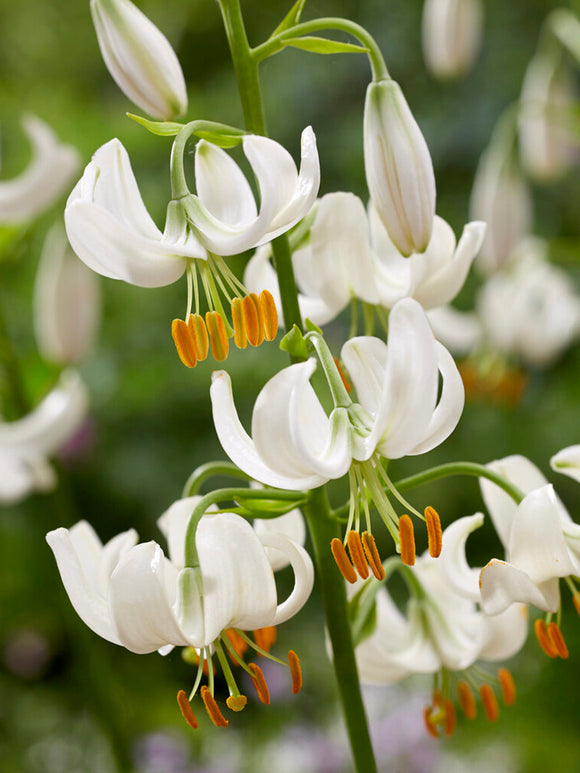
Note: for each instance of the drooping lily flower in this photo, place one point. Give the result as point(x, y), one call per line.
point(133, 595)
point(295, 445)
point(452, 31)
point(140, 58)
point(66, 302)
point(26, 444)
point(442, 627)
point(46, 178)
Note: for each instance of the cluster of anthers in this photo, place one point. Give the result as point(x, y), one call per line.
point(441, 716)
point(236, 643)
point(550, 637)
point(254, 318)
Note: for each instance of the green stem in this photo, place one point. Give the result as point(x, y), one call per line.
point(276, 43)
point(209, 470)
point(322, 530)
point(287, 283)
point(11, 385)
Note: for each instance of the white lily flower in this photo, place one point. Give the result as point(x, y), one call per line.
point(452, 32)
point(548, 145)
point(66, 302)
point(46, 178)
point(26, 443)
point(140, 58)
point(567, 461)
point(224, 212)
point(398, 168)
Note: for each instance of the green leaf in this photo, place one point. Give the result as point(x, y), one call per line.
point(294, 343)
point(311, 327)
point(291, 18)
point(161, 128)
point(324, 46)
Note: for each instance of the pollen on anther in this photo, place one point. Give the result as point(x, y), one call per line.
point(183, 343)
point(372, 554)
point(346, 383)
point(544, 639)
point(558, 641)
point(212, 708)
point(186, 710)
point(466, 700)
point(236, 702)
point(508, 686)
point(407, 539)
point(259, 683)
point(296, 671)
point(265, 637)
point(342, 560)
point(450, 718)
point(240, 335)
point(199, 336)
point(357, 554)
point(218, 336)
point(434, 532)
point(251, 318)
point(269, 315)
point(489, 702)
point(429, 724)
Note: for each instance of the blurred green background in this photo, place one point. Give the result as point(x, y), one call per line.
point(71, 702)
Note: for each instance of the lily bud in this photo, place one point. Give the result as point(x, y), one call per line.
point(66, 302)
point(398, 168)
point(451, 36)
point(140, 58)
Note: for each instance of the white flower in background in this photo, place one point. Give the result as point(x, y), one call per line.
point(140, 58)
point(500, 198)
point(350, 255)
point(548, 145)
point(26, 444)
point(398, 168)
point(66, 302)
point(567, 461)
point(531, 310)
point(452, 32)
point(45, 179)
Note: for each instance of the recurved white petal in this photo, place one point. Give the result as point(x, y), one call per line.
point(222, 187)
point(173, 525)
point(303, 570)
point(502, 584)
point(506, 633)
point(290, 525)
point(461, 578)
point(567, 461)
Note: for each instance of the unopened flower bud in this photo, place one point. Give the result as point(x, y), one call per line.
point(451, 36)
point(398, 168)
point(140, 58)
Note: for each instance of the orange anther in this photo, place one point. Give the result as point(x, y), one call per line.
point(407, 540)
point(183, 343)
point(251, 317)
point(429, 724)
point(558, 641)
point(260, 683)
point(236, 702)
point(240, 336)
point(296, 671)
point(199, 337)
point(450, 717)
point(372, 554)
point(239, 644)
point(265, 638)
point(434, 533)
point(186, 710)
point(544, 639)
point(357, 555)
point(466, 700)
point(508, 686)
point(576, 600)
point(212, 708)
point(342, 560)
point(345, 381)
point(489, 702)
point(218, 336)
point(269, 315)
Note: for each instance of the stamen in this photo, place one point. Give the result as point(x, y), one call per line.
point(236, 702)
point(218, 336)
point(357, 555)
point(240, 336)
point(544, 639)
point(489, 702)
point(466, 700)
point(186, 710)
point(450, 718)
point(372, 554)
point(434, 533)
point(508, 686)
point(183, 343)
point(269, 315)
point(212, 708)
point(251, 317)
point(239, 645)
point(342, 561)
point(260, 683)
point(407, 540)
point(199, 337)
point(429, 724)
point(265, 637)
point(558, 641)
point(296, 671)
point(345, 381)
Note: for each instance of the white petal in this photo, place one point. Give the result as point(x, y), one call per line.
point(173, 524)
point(290, 525)
point(303, 574)
point(460, 577)
point(567, 461)
point(503, 584)
point(458, 331)
point(506, 633)
point(222, 187)
point(365, 358)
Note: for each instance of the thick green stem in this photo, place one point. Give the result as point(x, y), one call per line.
point(322, 530)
